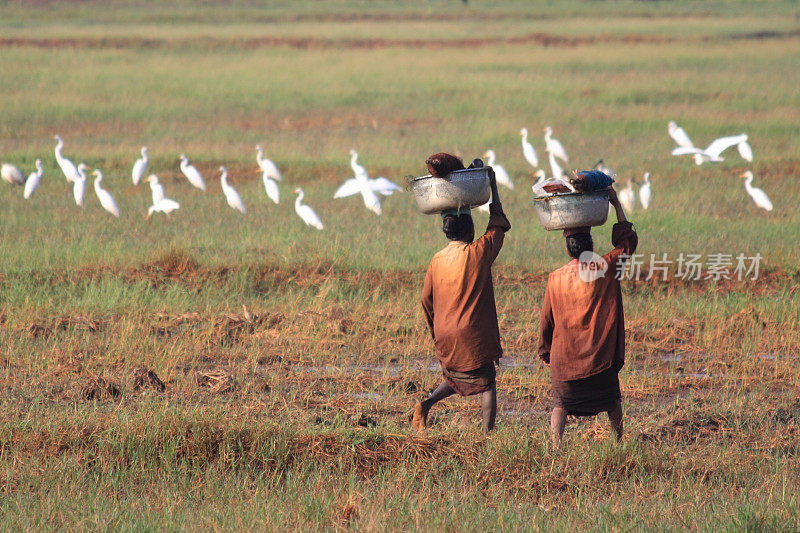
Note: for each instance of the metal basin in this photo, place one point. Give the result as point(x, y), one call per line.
point(461, 188)
point(572, 210)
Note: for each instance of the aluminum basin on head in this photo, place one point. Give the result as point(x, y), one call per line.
point(460, 188)
point(572, 210)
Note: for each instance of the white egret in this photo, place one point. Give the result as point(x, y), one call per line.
point(139, 167)
point(156, 189)
point(67, 167)
point(106, 200)
point(527, 149)
point(644, 191)
point(271, 186)
point(367, 187)
point(79, 185)
point(380, 184)
point(554, 146)
point(233, 198)
point(540, 176)
point(305, 212)
point(759, 197)
point(745, 151)
point(500, 174)
point(12, 174)
point(360, 184)
point(679, 135)
point(369, 190)
point(33, 180)
point(268, 168)
point(161, 204)
point(555, 168)
point(192, 174)
point(712, 153)
point(357, 169)
point(383, 186)
point(627, 197)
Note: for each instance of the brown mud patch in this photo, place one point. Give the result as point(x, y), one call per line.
point(180, 267)
point(311, 43)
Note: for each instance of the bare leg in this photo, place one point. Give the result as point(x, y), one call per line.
point(615, 416)
point(439, 393)
point(558, 419)
point(419, 419)
point(489, 408)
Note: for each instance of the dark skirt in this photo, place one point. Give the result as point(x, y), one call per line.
point(588, 396)
point(471, 382)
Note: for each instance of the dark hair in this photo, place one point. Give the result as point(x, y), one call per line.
point(579, 243)
point(459, 228)
point(442, 164)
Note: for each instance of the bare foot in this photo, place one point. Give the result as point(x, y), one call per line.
point(419, 419)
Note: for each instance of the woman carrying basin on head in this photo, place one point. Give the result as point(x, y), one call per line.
point(583, 326)
point(458, 302)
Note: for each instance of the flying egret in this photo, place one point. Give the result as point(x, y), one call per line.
point(554, 146)
point(360, 184)
point(12, 174)
point(712, 153)
point(268, 168)
point(192, 174)
point(527, 149)
point(139, 167)
point(79, 185)
point(380, 184)
point(759, 197)
point(367, 187)
point(500, 174)
point(679, 135)
point(369, 190)
point(644, 191)
point(33, 180)
point(233, 198)
point(161, 204)
point(106, 200)
point(67, 167)
point(305, 212)
point(357, 169)
point(745, 151)
point(627, 197)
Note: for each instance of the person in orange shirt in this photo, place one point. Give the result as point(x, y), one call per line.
point(583, 327)
point(458, 302)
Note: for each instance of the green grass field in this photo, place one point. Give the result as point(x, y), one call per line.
point(296, 418)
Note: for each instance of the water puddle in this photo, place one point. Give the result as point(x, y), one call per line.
point(513, 362)
point(374, 396)
point(391, 370)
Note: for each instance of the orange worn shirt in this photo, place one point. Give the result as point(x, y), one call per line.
point(582, 323)
point(458, 298)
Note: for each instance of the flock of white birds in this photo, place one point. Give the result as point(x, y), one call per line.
point(371, 189)
point(271, 175)
point(713, 154)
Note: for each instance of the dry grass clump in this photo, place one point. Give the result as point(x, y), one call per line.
point(144, 378)
point(218, 380)
point(99, 388)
